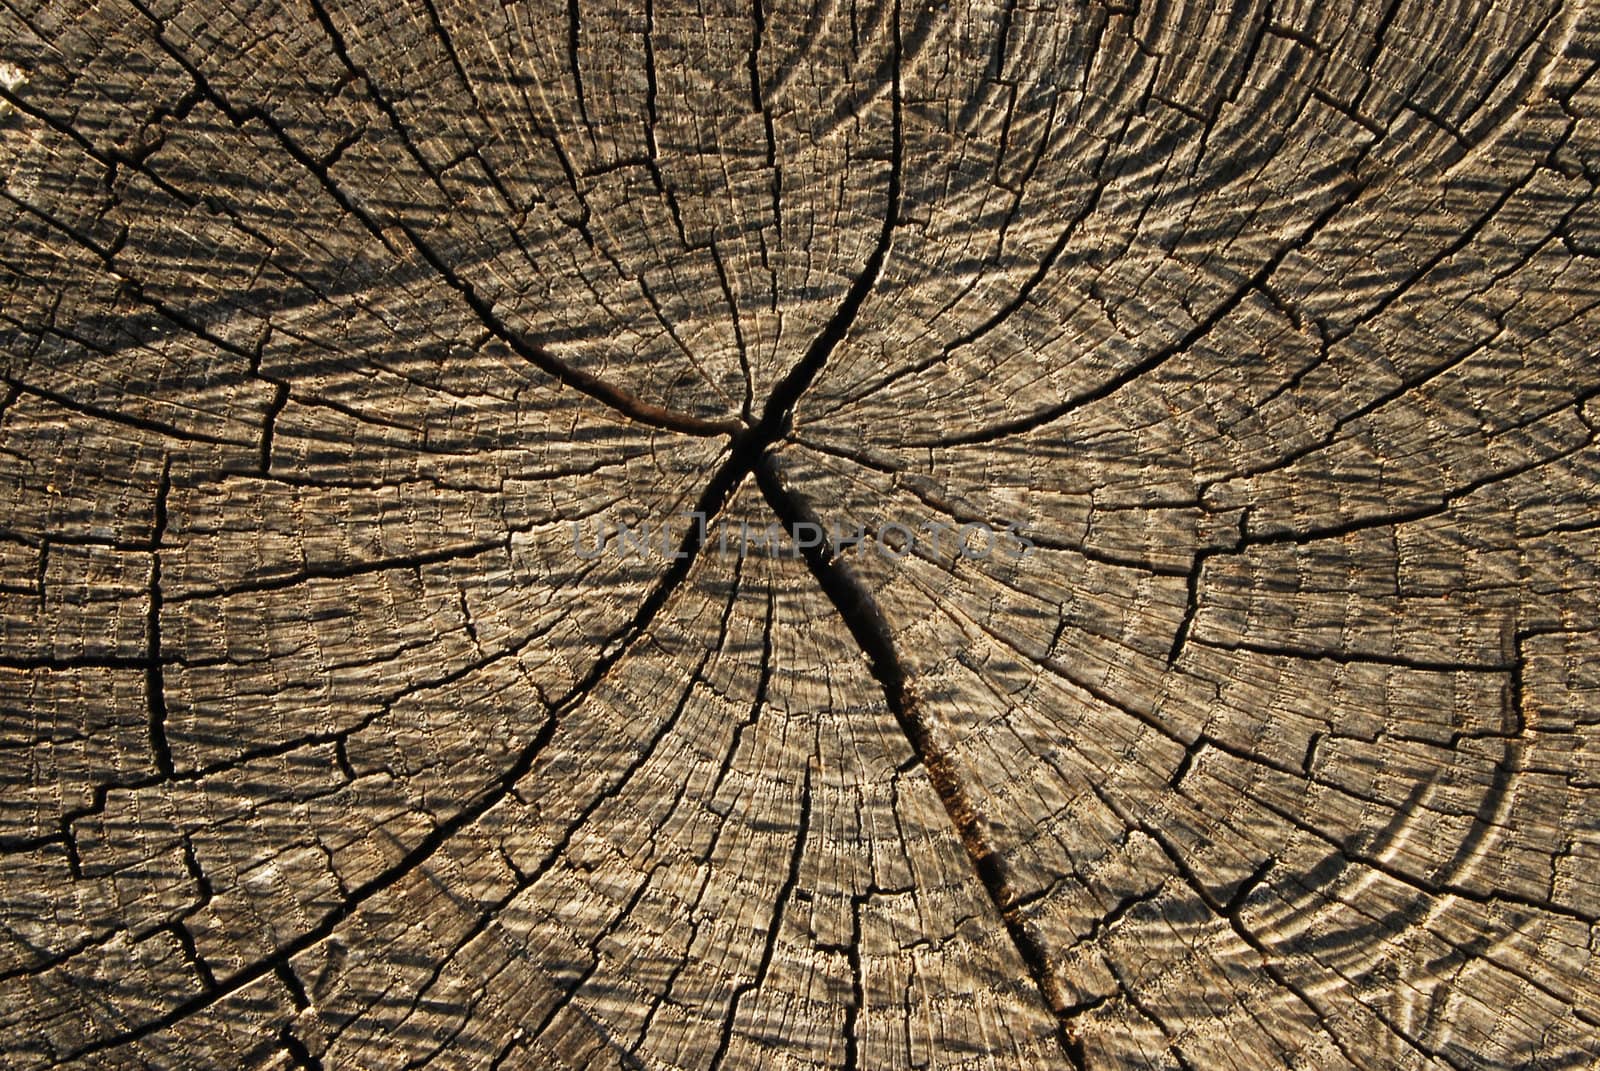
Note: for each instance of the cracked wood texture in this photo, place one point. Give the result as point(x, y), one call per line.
point(1271, 324)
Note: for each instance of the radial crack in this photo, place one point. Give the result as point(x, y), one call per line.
point(869, 627)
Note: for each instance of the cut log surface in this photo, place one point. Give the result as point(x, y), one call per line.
point(337, 334)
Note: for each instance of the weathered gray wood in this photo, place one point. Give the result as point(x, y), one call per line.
point(1272, 326)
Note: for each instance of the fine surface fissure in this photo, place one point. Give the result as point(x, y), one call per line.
point(1136, 603)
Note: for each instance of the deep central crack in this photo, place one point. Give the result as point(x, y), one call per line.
point(752, 453)
point(853, 601)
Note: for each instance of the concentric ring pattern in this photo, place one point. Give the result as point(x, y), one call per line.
point(1247, 714)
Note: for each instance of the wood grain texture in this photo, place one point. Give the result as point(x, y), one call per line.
point(1271, 325)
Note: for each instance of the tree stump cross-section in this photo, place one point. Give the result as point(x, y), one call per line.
point(763, 535)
